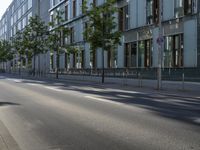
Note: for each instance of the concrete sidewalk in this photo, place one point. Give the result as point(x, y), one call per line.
point(191, 89)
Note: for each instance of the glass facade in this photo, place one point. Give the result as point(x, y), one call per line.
point(179, 9)
point(139, 54)
point(131, 55)
point(173, 51)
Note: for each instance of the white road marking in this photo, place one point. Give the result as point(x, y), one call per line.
point(15, 80)
point(196, 120)
point(53, 88)
point(33, 84)
point(125, 96)
point(102, 100)
point(124, 91)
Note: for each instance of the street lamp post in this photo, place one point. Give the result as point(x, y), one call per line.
point(160, 38)
point(103, 49)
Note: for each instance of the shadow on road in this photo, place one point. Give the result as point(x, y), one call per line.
point(7, 104)
point(178, 107)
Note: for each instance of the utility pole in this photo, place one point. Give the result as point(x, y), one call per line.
point(103, 32)
point(160, 47)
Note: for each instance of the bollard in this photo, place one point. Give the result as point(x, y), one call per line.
point(123, 74)
point(183, 81)
point(139, 80)
point(126, 78)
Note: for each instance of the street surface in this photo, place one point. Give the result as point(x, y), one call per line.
point(48, 115)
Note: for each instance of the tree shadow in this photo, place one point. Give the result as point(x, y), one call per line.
point(178, 107)
point(8, 104)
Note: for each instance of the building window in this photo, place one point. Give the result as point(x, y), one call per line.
point(51, 17)
point(75, 59)
point(149, 11)
point(188, 7)
point(12, 9)
point(24, 22)
point(29, 4)
point(94, 3)
point(131, 55)
point(156, 8)
point(145, 53)
point(71, 35)
point(82, 59)
point(29, 16)
point(24, 9)
point(93, 63)
point(19, 13)
point(66, 12)
point(74, 8)
point(124, 18)
point(179, 9)
point(11, 21)
point(173, 52)
point(85, 36)
point(79, 57)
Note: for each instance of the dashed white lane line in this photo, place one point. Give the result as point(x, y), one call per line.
point(53, 88)
point(125, 96)
point(102, 100)
point(124, 91)
point(33, 84)
point(196, 120)
point(15, 80)
point(47, 87)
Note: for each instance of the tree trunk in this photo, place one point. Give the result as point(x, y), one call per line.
point(57, 64)
point(20, 65)
point(34, 66)
point(39, 65)
point(103, 70)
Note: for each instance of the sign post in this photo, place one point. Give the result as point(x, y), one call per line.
point(160, 41)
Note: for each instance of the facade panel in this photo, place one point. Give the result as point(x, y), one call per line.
point(138, 21)
point(190, 43)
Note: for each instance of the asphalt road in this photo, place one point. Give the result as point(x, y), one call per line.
point(46, 115)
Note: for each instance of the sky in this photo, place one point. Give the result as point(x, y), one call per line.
point(3, 6)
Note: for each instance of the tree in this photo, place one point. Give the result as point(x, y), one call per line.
point(101, 31)
point(18, 45)
point(55, 38)
point(6, 52)
point(35, 38)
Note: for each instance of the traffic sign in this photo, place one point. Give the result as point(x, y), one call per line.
point(160, 40)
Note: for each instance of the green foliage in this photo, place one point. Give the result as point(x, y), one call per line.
point(35, 36)
point(101, 31)
point(18, 44)
point(6, 52)
point(56, 35)
point(58, 31)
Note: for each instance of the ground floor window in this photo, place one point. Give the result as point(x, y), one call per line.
point(131, 54)
point(67, 58)
point(145, 53)
point(82, 59)
point(173, 51)
point(112, 58)
point(52, 61)
point(78, 59)
point(74, 58)
point(139, 54)
point(93, 63)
